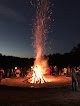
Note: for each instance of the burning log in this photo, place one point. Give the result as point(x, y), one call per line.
point(36, 78)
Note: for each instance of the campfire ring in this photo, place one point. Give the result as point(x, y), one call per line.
point(52, 81)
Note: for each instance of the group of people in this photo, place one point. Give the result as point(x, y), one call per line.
point(54, 70)
point(72, 72)
point(8, 73)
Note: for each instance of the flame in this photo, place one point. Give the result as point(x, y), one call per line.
point(40, 30)
point(37, 76)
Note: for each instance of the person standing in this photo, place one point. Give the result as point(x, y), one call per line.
point(74, 80)
point(56, 70)
point(49, 70)
point(59, 71)
point(17, 72)
point(12, 73)
point(8, 73)
point(68, 70)
point(65, 71)
point(1, 73)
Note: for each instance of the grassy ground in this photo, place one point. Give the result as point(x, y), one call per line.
point(16, 96)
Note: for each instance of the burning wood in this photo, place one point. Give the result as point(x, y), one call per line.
point(37, 77)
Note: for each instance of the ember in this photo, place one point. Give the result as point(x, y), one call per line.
point(40, 30)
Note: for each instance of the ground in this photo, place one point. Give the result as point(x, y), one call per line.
point(21, 96)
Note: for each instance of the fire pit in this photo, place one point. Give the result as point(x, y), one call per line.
point(52, 81)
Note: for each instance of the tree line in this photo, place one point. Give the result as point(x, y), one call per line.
point(61, 60)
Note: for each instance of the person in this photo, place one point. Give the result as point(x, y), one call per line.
point(56, 70)
point(21, 72)
point(12, 73)
point(8, 73)
point(49, 70)
point(65, 71)
point(74, 80)
point(68, 70)
point(1, 73)
point(59, 71)
point(17, 72)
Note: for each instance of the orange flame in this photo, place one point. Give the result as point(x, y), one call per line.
point(37, 76)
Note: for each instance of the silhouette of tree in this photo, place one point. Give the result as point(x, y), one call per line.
point(75, 55)
point(0, 54)
point(76, 50)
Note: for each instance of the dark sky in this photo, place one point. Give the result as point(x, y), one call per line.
point(16, 27)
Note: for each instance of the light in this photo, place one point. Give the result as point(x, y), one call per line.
point(31, 67)
point(15, 67)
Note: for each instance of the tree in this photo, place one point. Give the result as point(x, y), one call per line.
point(0, 54)
point(76, 50)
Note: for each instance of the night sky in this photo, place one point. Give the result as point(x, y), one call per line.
point(16, 27)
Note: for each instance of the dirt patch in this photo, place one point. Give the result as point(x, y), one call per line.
point(52, 81)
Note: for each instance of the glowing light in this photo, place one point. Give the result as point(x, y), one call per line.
point(15, 67)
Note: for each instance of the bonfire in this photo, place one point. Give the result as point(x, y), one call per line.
point(37, 77)
point(40, 30)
